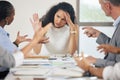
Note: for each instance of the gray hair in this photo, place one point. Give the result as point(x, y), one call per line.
point(105, 1)
point(114, 2)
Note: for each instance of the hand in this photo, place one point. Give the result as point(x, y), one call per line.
point(73, 27)
point(39, 34)
point(90, 59)
point(68, 19)
point(82, 63)
point(20, 39)
point(91, 32)
point(44, 40)
point(39, 30)
point(36, 24)
point(106, 48)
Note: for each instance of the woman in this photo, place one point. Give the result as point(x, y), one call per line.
point(63, 35)
point(7, 13)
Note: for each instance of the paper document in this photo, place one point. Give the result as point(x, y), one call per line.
point(36, 61)
point(32, 72)
point(66, 73)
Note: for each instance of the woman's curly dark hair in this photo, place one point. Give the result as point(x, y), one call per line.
point(49, 17)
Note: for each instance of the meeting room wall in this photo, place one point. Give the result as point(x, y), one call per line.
point(24, 9)
point(88, 45)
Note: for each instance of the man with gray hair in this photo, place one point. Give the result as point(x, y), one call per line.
point(112, 9)
point(107, 68)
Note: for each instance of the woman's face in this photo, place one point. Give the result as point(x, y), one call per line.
point(59, 19)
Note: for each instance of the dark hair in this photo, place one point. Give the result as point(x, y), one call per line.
point(5, 9)
point(115, 2)
point(49, 17)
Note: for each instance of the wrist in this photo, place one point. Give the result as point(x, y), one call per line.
point(98, 33)
point(73, 32)
point(15, 43)
point(117, 50)
point(90, 67)
point(34, 41)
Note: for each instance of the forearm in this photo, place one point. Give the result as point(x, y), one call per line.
point(37, 48)
point(72, 47)
point(28, 47)
point(96, 71)
point(117, 50)
point(73, 41)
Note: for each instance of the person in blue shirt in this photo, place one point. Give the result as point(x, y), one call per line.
point(7, 13)
point(15, 59)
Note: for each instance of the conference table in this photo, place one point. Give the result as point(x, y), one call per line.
point(52, 68)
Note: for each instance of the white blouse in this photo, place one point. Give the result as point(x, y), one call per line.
point(58, 41)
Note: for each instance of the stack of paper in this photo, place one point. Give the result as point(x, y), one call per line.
point(66, 73)
point(31, 72)
point(36, 61)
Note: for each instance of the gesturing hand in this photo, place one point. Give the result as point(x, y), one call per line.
point(20, 39)
point(107, 48)
point(91, 32)
point(39, 30)
point(82, 62)
point(36, 24)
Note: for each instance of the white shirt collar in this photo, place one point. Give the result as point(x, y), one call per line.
point(116, 22)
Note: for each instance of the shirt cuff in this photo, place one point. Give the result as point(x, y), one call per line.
point(19, 57)
point(107, 73)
